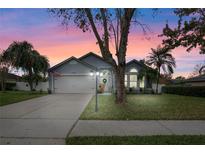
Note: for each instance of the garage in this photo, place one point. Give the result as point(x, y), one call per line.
point(72, 76)
point(74, 84)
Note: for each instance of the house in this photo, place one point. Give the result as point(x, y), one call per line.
point(10, 80)
point(77, 75)
point(194, 81)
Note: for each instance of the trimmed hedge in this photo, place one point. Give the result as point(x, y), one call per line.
point(185, 90)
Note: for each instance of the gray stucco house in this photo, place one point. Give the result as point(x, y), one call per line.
point(77, 75)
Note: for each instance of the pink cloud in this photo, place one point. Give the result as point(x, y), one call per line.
point(58, 44)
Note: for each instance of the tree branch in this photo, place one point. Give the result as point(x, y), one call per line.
point(106, 34)
point(125, 26)
point(104, 51)
point(90, 18)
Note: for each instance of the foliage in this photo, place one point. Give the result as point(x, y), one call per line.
point(23, 55)
point(190, 31)
point(185, 90)
point(8, 86)
point(181, 78)
point(35, 78)
point(198, 70)
point(167, 77)
point(161, 58)
point(4, 69)
point(147, 71)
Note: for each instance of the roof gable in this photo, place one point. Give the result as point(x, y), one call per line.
point(134, 61)
point(137, 64)
point(95, 60)
point(69, 60)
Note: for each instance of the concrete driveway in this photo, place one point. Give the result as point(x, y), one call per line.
point(43, 120)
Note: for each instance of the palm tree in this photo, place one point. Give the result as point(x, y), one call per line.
point(161, 58)
point(23, 55)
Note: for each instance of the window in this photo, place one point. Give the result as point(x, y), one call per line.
point(133, 81)
point(133, 84)
point(125, 83)
point(133, 70)
point(133, 77)
point(125, 77)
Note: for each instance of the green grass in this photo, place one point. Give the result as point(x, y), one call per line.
point(147, 107)
point(9, 97)
point(138, 140)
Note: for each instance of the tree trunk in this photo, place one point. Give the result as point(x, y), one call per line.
point(120, 88)
point(158, 75)
point(3, 78)
point(30, 81)
point(2, 85)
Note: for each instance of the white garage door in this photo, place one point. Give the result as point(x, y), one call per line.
point(74, 84)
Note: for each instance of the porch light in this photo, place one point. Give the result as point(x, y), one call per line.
point(91, 73)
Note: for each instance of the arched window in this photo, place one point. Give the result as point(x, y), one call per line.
point(133, 70)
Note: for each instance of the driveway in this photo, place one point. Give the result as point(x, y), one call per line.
point(43, 120)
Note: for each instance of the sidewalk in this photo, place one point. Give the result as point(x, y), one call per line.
point(138, 127)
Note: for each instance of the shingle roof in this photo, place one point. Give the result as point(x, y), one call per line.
point(11, 76)
point(199, 78)
point(69, 59)
point(97, 56)
point(139, 63)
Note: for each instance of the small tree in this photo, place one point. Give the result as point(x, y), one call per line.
point(202, 70)
point(198, 70)
point(161, 58)
point(22, 55)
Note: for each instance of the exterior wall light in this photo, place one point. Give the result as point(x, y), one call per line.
point(101, 74)
point(91, 73)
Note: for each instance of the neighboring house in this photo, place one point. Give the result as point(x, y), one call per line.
point(194, 81)
point(77, 75)
point(10, 81)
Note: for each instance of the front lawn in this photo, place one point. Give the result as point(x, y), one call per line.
point(147, 107)
point(138, 140)
point(9, 97)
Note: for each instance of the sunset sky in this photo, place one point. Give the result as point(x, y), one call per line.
point(50, 38)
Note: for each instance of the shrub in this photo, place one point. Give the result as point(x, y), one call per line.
point(185, 90)
point(10, 86)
